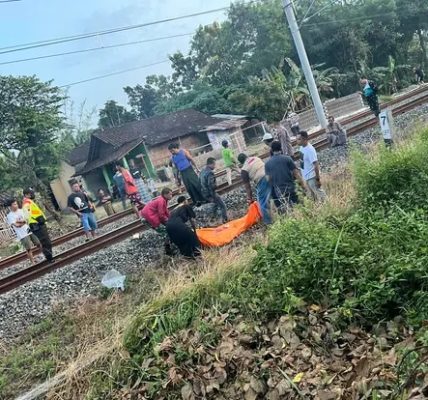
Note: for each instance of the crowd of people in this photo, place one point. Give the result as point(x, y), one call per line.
point(274, 180)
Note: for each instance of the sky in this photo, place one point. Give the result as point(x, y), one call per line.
point(35, 20)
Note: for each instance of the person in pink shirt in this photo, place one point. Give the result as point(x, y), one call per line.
point(131, 189)
point(156, 214)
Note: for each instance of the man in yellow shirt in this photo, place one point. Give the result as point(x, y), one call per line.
point(37, 222)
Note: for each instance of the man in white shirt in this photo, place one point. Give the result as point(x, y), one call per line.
point(17, 221)
point(310, 167)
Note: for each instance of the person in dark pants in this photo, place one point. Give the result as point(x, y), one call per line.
point(209, 186)
point(370, 94)
point(184, 163)
point(281, 172)
point(37, 222)
point(179, 233)
point(419, 74)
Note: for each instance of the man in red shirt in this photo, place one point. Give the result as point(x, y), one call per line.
point(131, 189)
point(156, 214)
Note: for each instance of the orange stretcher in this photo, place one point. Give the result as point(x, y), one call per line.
point(224, 234)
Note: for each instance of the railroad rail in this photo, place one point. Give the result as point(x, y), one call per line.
point(17, 279)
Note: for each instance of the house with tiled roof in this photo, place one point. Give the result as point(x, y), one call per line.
point(146, 142)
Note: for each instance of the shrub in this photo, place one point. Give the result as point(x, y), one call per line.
point(398, 176)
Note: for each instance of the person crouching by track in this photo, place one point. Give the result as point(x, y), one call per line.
point(131, 190)
point(16, 219)
point(336, 134)
point(253, 171)
point(156, 214)
point(281, 172)
point(179, 233)
point(184, 163)
point(80, 204)
point(209, 186)
point(37, 222)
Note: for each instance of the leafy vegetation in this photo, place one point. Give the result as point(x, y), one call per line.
point(247, 64)
point(30, 149)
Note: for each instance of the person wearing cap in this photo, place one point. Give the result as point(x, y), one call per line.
point(37, 222)
point(229, 161)
point(267, 139)
point(253, 171)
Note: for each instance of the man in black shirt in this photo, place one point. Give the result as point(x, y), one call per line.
point(80, 204)
point(281, 172)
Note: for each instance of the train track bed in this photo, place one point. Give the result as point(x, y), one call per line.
point(67, 245)
point(32, 301)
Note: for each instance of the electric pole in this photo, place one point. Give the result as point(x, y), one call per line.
point(306, 67)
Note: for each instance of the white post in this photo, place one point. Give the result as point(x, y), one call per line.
point(306, 67)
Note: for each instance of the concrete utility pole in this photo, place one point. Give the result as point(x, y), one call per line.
point(306, 67)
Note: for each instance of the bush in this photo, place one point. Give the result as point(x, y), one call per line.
point(398, 176)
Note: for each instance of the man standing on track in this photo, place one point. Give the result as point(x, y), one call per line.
point(253, 171)
point(284, 138)
point(370, 94)
point(310, 167)
point(184, 163)
point(141, 185)
point(229, 161)
point(16, 220)
point(37, 222)
point(131, 190)
point(80, 204)
point(209, 186)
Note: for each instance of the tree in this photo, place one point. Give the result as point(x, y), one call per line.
point(114, 114)
point(143, 100)
point(201, 97)
point(30, 119)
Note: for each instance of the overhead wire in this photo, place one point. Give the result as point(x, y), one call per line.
point(113, 73)
point(66, 39)
point(94, 49)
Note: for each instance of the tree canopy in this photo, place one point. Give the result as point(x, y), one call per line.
point(30, 119)
point(247, 63)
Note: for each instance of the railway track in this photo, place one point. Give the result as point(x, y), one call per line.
point(12, 281)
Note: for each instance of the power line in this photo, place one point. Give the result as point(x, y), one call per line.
point(65, 39)
point(95, 48)
point(351, 19)
point(113, 73)
point(9, 1)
